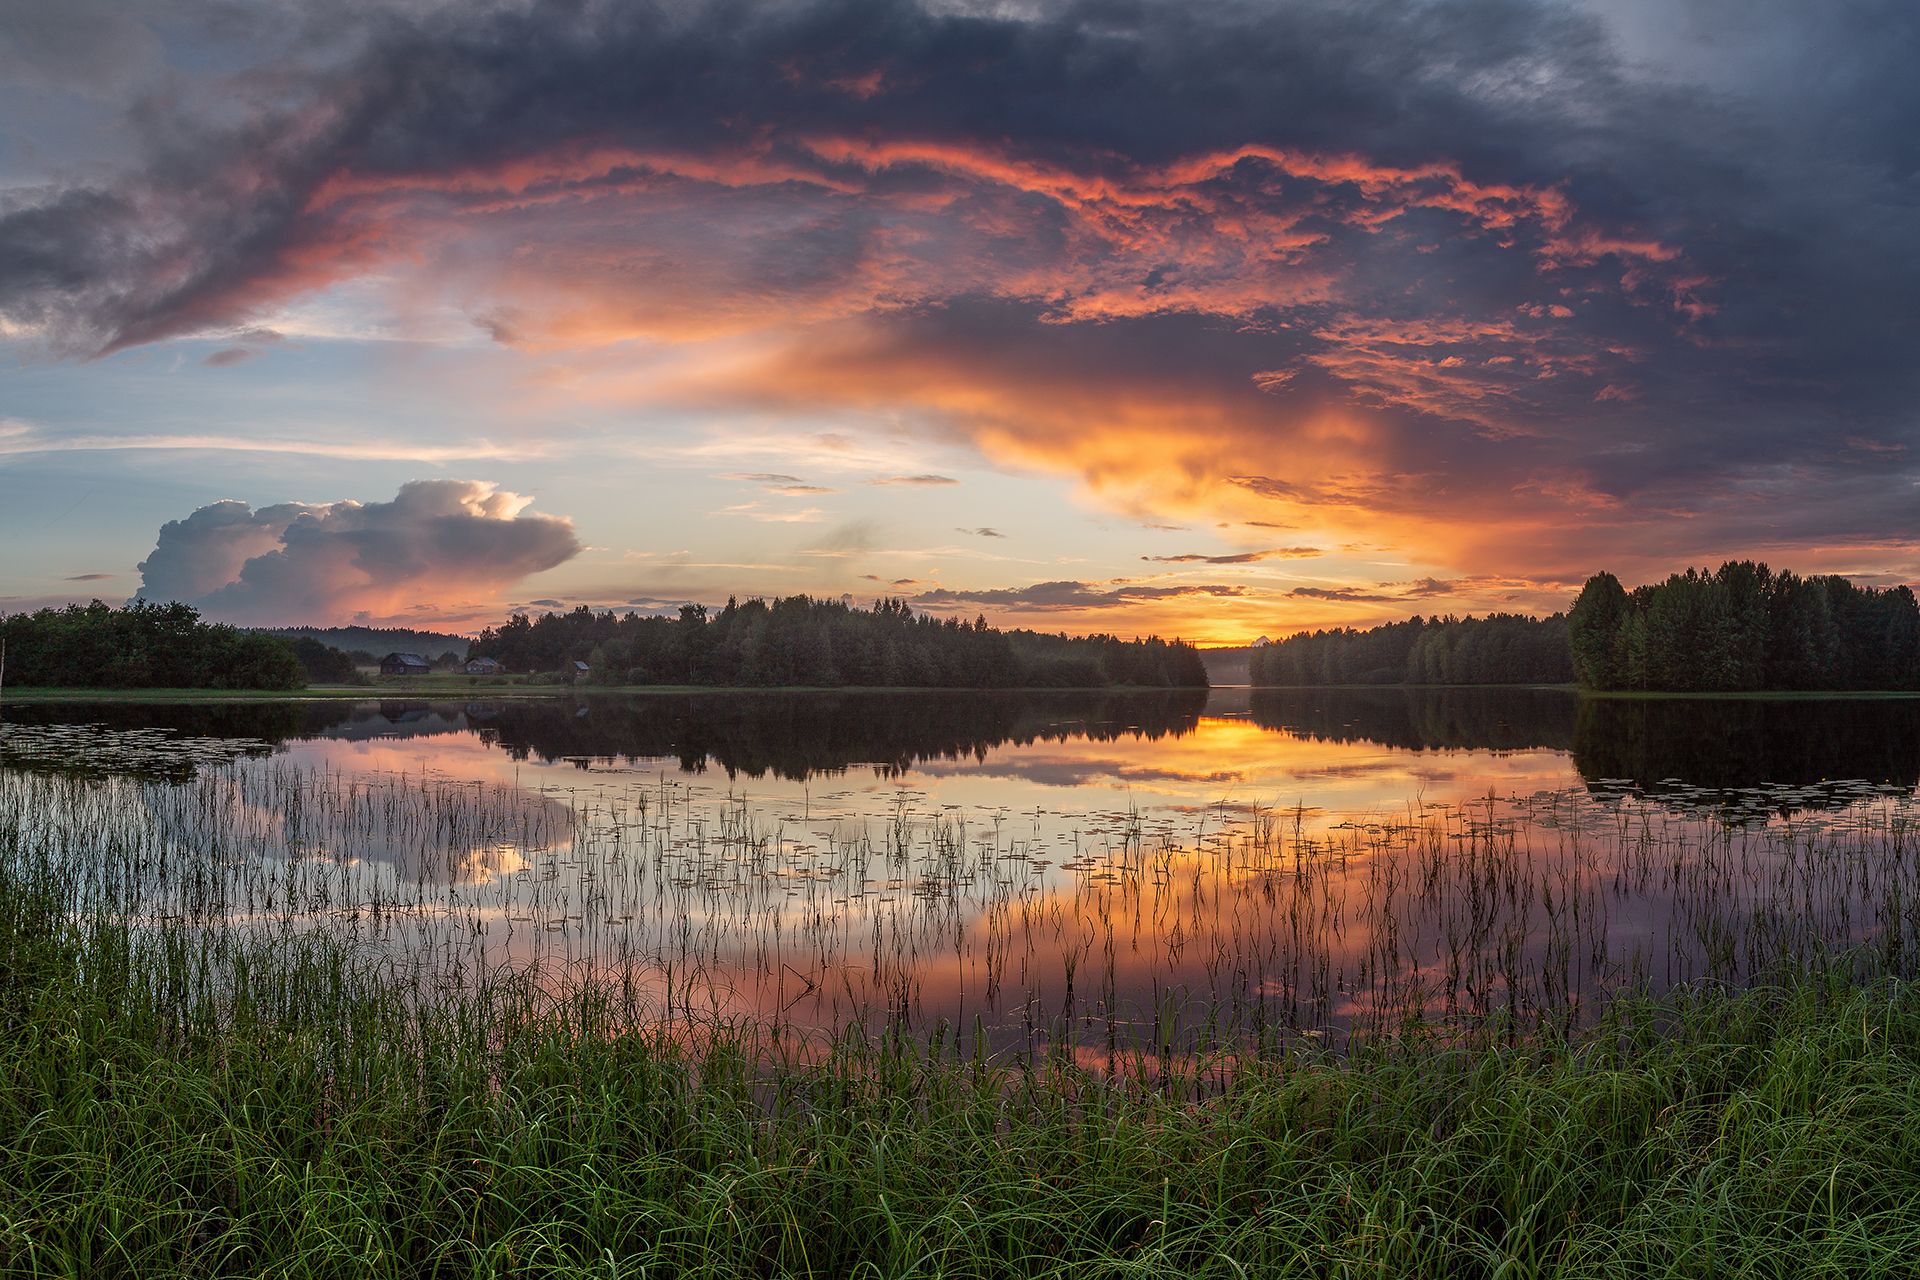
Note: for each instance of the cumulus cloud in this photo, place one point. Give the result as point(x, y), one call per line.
point(435, 541)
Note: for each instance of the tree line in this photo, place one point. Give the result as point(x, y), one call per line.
point(373, 641)
point(1501, 648)
point(143, 646)
point(799, 640)
point(1744, 627)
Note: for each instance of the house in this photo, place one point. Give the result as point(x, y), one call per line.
point(577, 669)
point(404, 664)
point(485, 667)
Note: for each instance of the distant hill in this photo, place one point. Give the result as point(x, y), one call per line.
point(376, 640)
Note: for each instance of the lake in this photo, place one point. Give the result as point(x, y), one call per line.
point(1157, 873)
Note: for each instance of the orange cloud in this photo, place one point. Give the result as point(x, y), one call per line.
point(662, 243)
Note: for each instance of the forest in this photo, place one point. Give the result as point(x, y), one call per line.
point(366, 644)
point(1744, 627)
point(802, 641)
point(143, 646)
point(1741, 628)
point(1502, 648)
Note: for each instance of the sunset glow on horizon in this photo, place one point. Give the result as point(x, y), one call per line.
point(1140, 319)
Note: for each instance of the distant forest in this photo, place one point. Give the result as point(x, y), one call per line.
point(1502, 648)
point(1744, 628)
point(143, 646)
point(802, 641)
point(375, 641)
point(1740, 628)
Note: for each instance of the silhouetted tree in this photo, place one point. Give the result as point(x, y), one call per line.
point(801, 641)
point(1744, 627)
point(143, 646)
point(1593, 628)
point(1502, 648)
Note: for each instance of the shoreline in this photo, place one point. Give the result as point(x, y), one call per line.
point(1628, 695)
point(451, 692)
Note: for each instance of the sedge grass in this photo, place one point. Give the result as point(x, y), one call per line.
point(176, 1104)
point(253, 1025)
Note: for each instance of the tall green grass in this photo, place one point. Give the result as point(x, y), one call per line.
point(177, 1101)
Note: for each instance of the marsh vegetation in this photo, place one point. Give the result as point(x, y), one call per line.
point(452, 990)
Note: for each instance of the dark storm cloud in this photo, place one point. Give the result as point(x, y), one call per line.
point(223, 218)
point(1652, 301)
point(88, 44)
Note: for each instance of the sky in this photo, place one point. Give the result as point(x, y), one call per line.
point(1208, 320)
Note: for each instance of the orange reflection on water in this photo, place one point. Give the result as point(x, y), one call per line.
point(1142, 875)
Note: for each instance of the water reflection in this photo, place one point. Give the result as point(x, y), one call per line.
point(1465, 719)
point(792, 736)
point(1348, 747)
point(1077, 867)
point(1680, 748)
point(799, 736)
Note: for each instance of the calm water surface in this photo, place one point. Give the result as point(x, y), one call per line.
point(1166, 872)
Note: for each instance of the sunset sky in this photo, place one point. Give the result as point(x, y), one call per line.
point(1202, 319)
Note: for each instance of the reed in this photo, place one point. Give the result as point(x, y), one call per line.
point(264, 1019)
point(313, 1112)
point(1154, 943)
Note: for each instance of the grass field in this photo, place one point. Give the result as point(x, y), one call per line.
point(172, 1105)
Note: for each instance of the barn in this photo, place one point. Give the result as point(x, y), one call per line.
point(404, 664)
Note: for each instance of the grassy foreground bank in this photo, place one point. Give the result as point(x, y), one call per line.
point(173, 1107)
